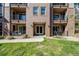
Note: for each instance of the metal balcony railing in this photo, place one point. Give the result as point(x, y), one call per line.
point(18, 4)
point(59, 5)
point(60, 19)
point(56, 17)
point(18, 17)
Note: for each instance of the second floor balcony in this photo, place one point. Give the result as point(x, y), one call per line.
point(58, 5)
point(18, 18)
point(18, 4)
point(1, 12)
point(59, 19)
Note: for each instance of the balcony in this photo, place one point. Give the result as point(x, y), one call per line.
point(59, 5)
point(59, 19)
point(18, 29)
point(19, 19)
point(1, 20)
point(0, 11)
point(18, 4)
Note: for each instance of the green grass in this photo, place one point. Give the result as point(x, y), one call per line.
point(49, 47)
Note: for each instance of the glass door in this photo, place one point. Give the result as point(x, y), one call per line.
point(39, 29)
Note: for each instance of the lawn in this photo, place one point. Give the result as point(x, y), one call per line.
point(49, 47)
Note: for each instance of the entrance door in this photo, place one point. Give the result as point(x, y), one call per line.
point(39, 29)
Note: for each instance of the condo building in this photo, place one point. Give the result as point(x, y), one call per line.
point(37, 19)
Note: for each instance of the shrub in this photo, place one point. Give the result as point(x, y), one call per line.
point(2, 37)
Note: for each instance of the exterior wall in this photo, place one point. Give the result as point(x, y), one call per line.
point(7, 18)
point(31, 19)
point(70, 28)
point(41, 19)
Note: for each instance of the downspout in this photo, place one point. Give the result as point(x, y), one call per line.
point(10, 19)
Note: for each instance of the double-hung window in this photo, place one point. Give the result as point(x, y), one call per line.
point(35, 10)
point(43, 10)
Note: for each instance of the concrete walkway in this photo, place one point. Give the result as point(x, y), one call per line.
point(39, 39)
point(69, 38)
point(34, 39)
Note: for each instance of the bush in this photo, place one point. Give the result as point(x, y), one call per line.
point(2, 37)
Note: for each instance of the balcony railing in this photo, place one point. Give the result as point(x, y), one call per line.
point(18, 33)
point(59, 19)
point(0, 11)
point(18, 4)
point(18, 18)
point(59, 5)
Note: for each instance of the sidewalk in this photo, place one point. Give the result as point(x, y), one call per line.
point(70, 38)
point(34, 39)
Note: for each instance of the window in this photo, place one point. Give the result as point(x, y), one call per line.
point(22, 16)
point(55, 17)
point(35, 10)
point(43, 10)
point(0, 4)
point(76, 5)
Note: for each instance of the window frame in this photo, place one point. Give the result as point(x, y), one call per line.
point(35, 10)
point(44, 10)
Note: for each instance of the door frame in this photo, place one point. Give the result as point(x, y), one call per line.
point(35, 29)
